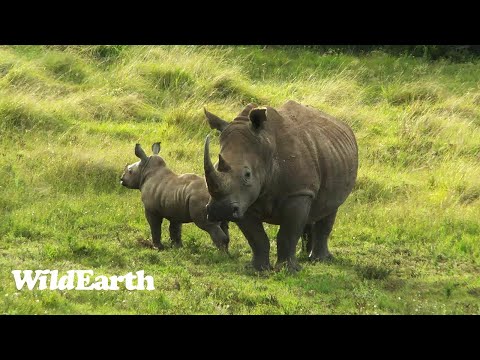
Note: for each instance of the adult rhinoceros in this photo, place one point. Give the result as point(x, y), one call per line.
point(292, 166)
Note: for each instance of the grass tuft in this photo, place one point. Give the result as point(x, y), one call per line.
point(65, 67)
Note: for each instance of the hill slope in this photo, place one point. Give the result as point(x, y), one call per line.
point(406, 240)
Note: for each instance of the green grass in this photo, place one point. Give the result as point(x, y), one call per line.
point(405, 242)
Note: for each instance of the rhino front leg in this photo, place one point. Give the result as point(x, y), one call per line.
point(294, 214)
point(155, 223)
point(224, 227)
point(253, 230)
point(175, 230)
point(321, 232)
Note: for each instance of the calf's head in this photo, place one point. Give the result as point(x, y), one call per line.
point(244, 162)
point(134, 174)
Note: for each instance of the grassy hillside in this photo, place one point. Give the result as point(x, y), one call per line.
point(406, 241)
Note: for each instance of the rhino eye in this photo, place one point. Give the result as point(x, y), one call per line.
point(129, 171)
point(247, 176)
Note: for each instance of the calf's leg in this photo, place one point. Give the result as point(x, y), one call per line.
point(224, 227)
point(198, 213)
point(175, 229)
point(155, 223)
point(218, 236)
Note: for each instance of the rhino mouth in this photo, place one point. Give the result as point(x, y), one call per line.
point(236, 213)
point(221, 211)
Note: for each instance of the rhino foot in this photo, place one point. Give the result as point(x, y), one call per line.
point(158, 247)
point(321, 257)
point(291, 265)
point(223, 247)
point(262, 265)
point(177, 244)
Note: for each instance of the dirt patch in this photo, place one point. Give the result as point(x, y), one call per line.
point(145, 243)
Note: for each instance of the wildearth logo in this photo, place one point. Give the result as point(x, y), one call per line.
point(80, 280)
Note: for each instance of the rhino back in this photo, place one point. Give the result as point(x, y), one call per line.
point(317, 155)
point(169, 195)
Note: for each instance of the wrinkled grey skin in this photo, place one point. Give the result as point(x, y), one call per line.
point(292, 166)
point(177, 198)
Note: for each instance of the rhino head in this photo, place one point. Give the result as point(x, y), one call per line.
point(134, 174)
point(244, 163)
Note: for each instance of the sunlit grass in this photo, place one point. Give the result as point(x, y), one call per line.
point(405, 241)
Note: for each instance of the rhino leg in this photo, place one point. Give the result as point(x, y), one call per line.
point(175, 229)
point(224, 227)
point(218, 236)
point(253, 230)
point(321, 232)
point(294, 215)
point(155, 223)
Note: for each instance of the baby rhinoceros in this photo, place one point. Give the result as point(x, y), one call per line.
point(177, 198)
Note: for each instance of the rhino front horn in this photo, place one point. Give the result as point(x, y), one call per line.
point(212, 176)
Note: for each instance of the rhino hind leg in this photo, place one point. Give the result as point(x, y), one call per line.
point(321, 232)
point(294, 214)
point(175, 229)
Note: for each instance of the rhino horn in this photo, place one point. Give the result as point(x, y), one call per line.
point(212, 176)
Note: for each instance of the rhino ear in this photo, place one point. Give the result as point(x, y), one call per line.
point(140, 153)
point(156, 148)
point(258, 116)
point(247, 109)
point(214, 121)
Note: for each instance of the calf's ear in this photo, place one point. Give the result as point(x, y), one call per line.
point(258, 117)
point(156, 148)
point(140, 153)
point(214, 121)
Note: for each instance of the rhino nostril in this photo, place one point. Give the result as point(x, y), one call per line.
point(235, 211)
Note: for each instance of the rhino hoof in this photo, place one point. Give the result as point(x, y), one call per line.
point(321, 257)
point(177, 244)
point(262, 266)
point(158, 247)
point(292, 266)
point(222, 247)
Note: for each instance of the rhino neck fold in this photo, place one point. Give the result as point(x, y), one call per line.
point(151, 171)
point(270, 178)
point(143, 174)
